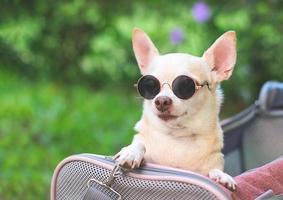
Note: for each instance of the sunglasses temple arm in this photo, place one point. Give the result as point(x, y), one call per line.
point(207, 84)
point(202, 85)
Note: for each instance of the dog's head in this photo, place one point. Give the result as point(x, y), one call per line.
point(214, 66)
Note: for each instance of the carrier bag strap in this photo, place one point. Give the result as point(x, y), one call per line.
point(95, 194)
point(102, 190)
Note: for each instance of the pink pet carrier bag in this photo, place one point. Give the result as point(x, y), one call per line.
point(95, 177)
point(89, 176)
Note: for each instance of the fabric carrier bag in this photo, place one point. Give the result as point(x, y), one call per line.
point(96, 177)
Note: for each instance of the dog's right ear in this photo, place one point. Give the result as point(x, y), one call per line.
point(144, 49)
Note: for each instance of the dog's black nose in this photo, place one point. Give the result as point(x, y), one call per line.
point(163, 103)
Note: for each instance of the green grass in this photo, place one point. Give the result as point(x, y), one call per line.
point(41, 123)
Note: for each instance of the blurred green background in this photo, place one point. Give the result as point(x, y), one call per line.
point(67, 71)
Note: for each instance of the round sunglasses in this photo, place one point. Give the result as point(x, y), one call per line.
point(184, 87)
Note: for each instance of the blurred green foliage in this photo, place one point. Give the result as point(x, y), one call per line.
point(44, 122)
point(67, 71)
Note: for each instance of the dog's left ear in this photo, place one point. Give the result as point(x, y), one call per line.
point(221, 56)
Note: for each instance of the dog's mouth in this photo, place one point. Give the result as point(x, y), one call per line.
point(167, 117)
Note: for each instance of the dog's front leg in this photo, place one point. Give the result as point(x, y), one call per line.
point(132, 155)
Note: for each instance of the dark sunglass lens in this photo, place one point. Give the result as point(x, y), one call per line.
point(183, 87)
point(148, 86)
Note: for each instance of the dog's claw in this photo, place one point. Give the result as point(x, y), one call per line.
point(223, 178)
point(129, 157)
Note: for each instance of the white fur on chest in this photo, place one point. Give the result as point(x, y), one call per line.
point(194, 152)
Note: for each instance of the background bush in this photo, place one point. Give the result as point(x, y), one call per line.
point(67, 71)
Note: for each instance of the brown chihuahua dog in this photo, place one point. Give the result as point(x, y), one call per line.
point(180, 125)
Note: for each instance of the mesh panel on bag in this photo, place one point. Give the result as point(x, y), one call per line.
point(73, 178)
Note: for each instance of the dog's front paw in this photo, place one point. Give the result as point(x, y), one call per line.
point(129, 157)
point(223, 178)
